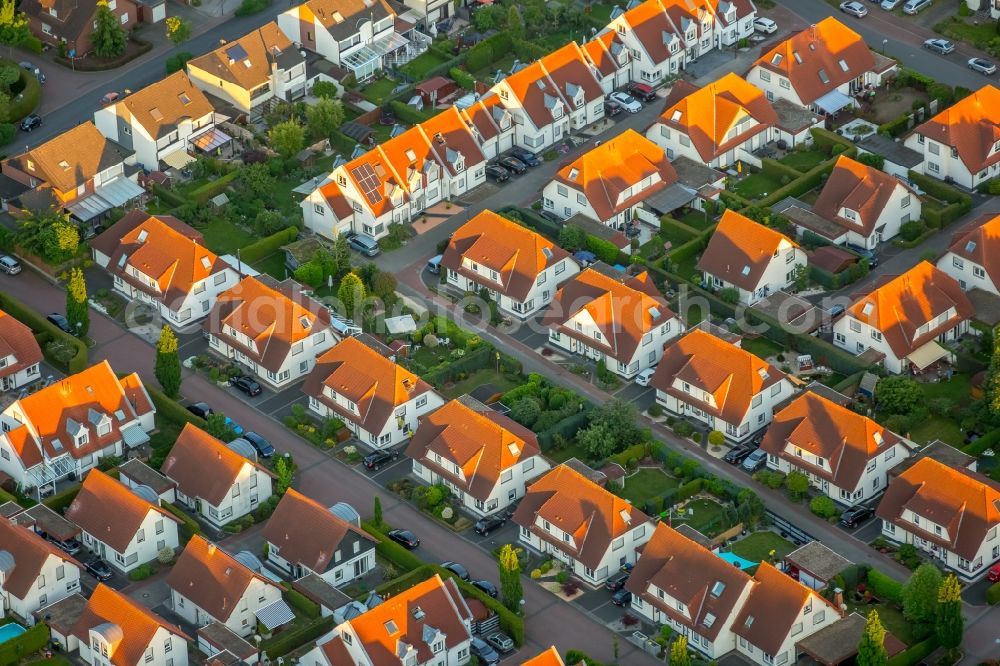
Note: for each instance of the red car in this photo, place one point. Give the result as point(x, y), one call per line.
point(993, 575)
point(641, 91)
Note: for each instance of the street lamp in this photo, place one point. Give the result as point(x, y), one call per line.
point(521, 604)
point(885, 42)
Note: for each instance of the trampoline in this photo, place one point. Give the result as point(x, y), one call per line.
point(738, 561)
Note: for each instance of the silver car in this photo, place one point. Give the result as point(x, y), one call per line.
point(9, 265)
point(629, 103)
point(938, 45)
point(982, 65)
point(854, 9)
point(889, 5)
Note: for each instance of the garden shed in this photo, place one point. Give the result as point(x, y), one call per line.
point(814, 565)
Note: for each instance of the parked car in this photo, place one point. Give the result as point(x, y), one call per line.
point(456, 569)
point(938, 45)
point(512, 164)
point(487, 587)
point(246, 384)
point(765, 25)
point(30, 67)
point(434, 264)
point(364, 244)
point(30, 122)
point(501, 641)
point(99, 569)
point(526, 156)
point(68, 546)
point(641, 91)
point(890, 5)
point(487, 524)
point(643, 378)
point(612, 108)
point(983, 66)
point(497, 173)
point(260, 445)
point(617, 582)
point(621, 597)
point(993, 575)
point(200, 409)
point(855, 9)
point(484, 652)
point(404, 538)
point(756, 460)
point(628, 102)
point(865, 253)
point(551, 217)
point(737, 454)
point(856, 515)
point(915, 6)
point(376, 459)
point(60, 322)
point(110, 98)
point(9, 265)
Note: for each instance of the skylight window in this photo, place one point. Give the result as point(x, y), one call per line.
point(798, 58)
point(514, 448)
point(676, 115)
point(709, 620)
point(654, 312)
point(746, 270)
point(843, 65)
point(867, 309)
point(823, 76)
point(776, 60)
point(410, 155)
point(718, 588)
point(184, 99)
point(749, 622)
point(305, 323)
point(206, 263)
point(391, 627)
point(64, 165)
point(970, 246)
point(573, 173)
point(155, 112)
point(143, 235)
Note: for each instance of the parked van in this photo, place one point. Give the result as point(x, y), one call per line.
point(434, 264)
point(915, 6)
point(364, 244)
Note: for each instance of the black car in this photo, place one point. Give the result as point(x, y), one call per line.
point(200, 409)
point(68, 546)
point(247, 384)
point(512, 164)
point(855, 516)
point(376, 459)
point(497, 173)
point(737, 454)
point(261, 445)
point(526, 156)
point(30, 122)
point(621, 597)
point(487, 587)
point(99, 569)
point(487, 524)
point(612, 108)
point(60, 322)
point(550, 216)
point(456, 569)
point(404, 538)
point(616, 583)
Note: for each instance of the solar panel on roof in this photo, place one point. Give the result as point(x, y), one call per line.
point(368, 182)
point(236, 52)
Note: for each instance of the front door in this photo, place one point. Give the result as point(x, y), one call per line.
point(359, 567)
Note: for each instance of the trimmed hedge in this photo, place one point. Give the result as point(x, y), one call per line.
point(688, 490)
point(479, 359)
point(885, 588)
point(462, 78)
point(6, 497)
point(286, 641)
point(342, 143)
point(488, 51)
point(606, 251)
point(172, 410)
point(987, 441)
point(188, 527)
point(896, 127)
point(168, 197)
point(937, 188)
point(300, 602)
point(44, 331)
point(406, 581)
point(268, 245)
point(30, 642)
point(826, 139)
point(407, 113)
point(805, 182)
point(566, 428)
point(61, 500)
point(638, 452)
point(213, 188)
point(510, 623)
point(392, 551)
point(821, 350)
point(914, 654)
point(776, 169)
point(993, 594)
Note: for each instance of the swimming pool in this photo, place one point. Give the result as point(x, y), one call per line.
point(9, 631)
point(736, 560)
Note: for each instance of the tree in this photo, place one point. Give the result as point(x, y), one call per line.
point(13, 25)
point(351, 294)
point(9, 75)
point(991, 386)
point(716, 438)
point(898, 395)
point(871, 649)
point(620, 418)
point(679, 655)
point(256, 180)
point(287, 138)
point(384, 285)
point(324, 89)
point(323, 117)
point(109, 37)
point(950, 625)
point(341, 256)
point(284, 469)
point(269, 222)
point(597, 440)
point(514, 23)
point(801, 277)
point(168, 363)
point(377, 512)
point(572, 237)
point(797, 484)
point(823, 506)
point(216, 426)
point(729, 295)
point(178, 29)
point(510, 578)
point(77, 311)
point(920, 594)
point(310, 273)
point(525, 411)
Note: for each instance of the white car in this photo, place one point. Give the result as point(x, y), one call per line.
point(890, 5)
point(765, 25)
point(854, 9)
point(629, 103)
point(642, 379)
point(983, 66)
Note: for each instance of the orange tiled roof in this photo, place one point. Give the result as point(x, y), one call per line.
point(593, 516)
point(819, 59)
point(979, 243)
point(732, 376)
point(906, 302)
point(109, 511)
point(965, 503)
point(486, 116)
point(161, 106)
point(971, 126)
point(606, 172)
point(708, 114)
point(568, 69)
point(845, 439)
point(482, 444)
point(624, 311)
point(605, 52)
point(653, 28)
point(343, 17)
point(549, 657)
point(137, 624)
point(30, 553)
point(450, 138)
point(18, 341)
point(536, 93)
point(515, 252)
point(740, 250)
point(859, 187)
point(246, 61)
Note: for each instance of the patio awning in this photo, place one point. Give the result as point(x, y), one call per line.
point(833, 101)
point(393, 42)
point(670, 198)
point(116, 193)
point(177, 159)
point(275, 614)
point(208, 141)
point(133, 435)
point(927, 354)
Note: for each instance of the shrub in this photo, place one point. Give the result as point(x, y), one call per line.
point(536, 574)
point(885, 588)
point(248, 7)
point(300, 602)
point(993, 594)
point(286, 641)
point(911, 230)
point(188, 527)
point(141, 572)
point(655, 410)
point(268, 245)
point(823, 506)
point(683, 429)
point(915, 654)
point(176, 62)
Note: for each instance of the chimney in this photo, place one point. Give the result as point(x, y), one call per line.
point(838, 598)
point(211, 549)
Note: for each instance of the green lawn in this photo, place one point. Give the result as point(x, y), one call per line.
point(674, 235)
point(704, 515)
point(376, 91)
point(273, 265)
point(419, 66)
point(955, 389)
point(762, 347)
point(601, 11)
point(963, 29)
point(224, 237)
point(935, 427)
point(697, 219)
point(694, 315)
point(803, 160)
point(891, 617)
point(481, 378)
point(758, 546)
point(756, 186)
point(646, 484)
point(686, 268)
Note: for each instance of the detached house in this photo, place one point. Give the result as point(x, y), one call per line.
point(33, 572)
point(820, 68)
point(72, 23)
point(213, 480)
point(609, 183)
point(428, 624)
point(162, 261)
point(584, 526)
point(209, 585)
point(68, 426)
point(20, 355)
point(112, 628)
point(519, 268)
point(252, 72)
point(970, 257)
point(304, 537)
point(79, 171)
point(866, 203)
point(712, 381)
point(752, 259)
point(951, 514)
point(485, 458)
point(163, 122)
point(961, 144)
point(903, 321)
point(624, 323)
point(272, 328)
point(846, 455)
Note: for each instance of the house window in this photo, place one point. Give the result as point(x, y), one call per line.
point(978, 272)
point(855, 326)
point(421, 401)
point(957, 263)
